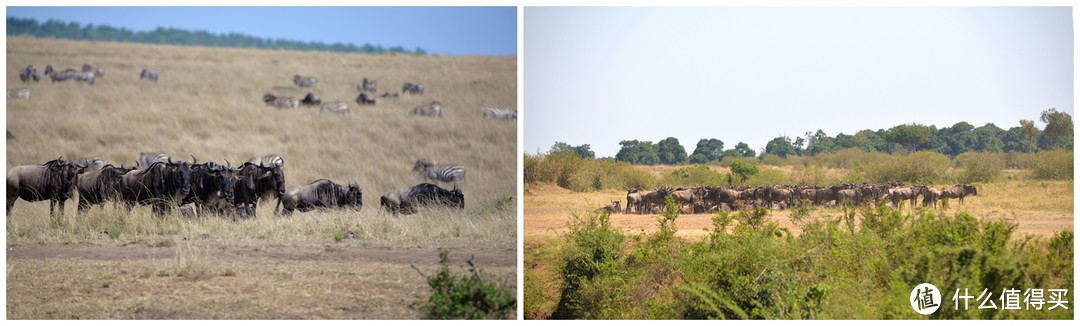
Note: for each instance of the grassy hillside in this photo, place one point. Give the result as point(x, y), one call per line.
point(208, 103)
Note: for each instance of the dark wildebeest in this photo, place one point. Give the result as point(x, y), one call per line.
point(434, 109)
point(959, 191)
point(407, 200)
point(930, 195)
point(684, 196)
point(256, 181)
point(212, 187)
point(148, 74)
point(321, 193)
point(55, 180)
point(97, 186)
point(89, 164)
point(364, 99)
point(161, 185)
point(779, 194)
point(898, 194)
point(717, 195)
point(633, 201)
point(311, 100)
point(654, 200)
point(854, 195)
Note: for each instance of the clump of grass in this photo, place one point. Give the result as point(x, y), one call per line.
point(466, 296)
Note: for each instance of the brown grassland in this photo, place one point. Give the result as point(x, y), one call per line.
point(208, 103)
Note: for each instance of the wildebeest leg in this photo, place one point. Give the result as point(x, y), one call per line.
point(11, 201)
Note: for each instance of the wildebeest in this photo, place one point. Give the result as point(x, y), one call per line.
point(97, 186)
point(366, 86)
point(304, 81)
point(407, 200)
point(212, 187)
point(146, 159)
point(339, 107)
point(90, 163)
point(496, 113)
point(433, 109)
point(321, 193)
point(654, 200)
point(717, 195)
point(148, 74)
point(281, 102)
point(256, 181)
point(897, 194)
point(959, 191)
point(779, 194)
point(930, 196)
point(162, 185)
point(18, 93)
point(411, 88)
point(55, 180)
point(684, 196)
point(633, 201)
point(439, 172)
point(59, 76)
point(364, 99)
point(311, 100)
point(613, 208)
point(29, 73)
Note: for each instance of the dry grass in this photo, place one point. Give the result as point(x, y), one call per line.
point(207, 103)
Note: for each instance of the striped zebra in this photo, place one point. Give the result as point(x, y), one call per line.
point(18, 93)
point(434, 110)
point(59, 76)
point(147, 159)
point(338, 107)
point(496, 113)
point(440, 173)
point(148, 74)
point(29, 73)
point(268, 160)
point(304, 82)
point(281, 102)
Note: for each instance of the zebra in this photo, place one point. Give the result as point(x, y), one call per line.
point(304, 82)
point(435, 110)
point(496, 113)
point(440, 173)
point(147, 159)
point(86, 68)
point(29, 73)
point(412, 88)
point(338, 107)
point(281, 102)
point(268, 160)
point(17, 93)
point(58, 76)
point(149, 74)
point(87, 77)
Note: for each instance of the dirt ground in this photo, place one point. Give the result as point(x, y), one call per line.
point(1039, 207)
point(223, 281)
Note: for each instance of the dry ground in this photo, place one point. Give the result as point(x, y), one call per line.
point(208, 103)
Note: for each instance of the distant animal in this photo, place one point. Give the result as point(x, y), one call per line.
point(613, 208)
point(364, 99)
point(304, 81)
point(257, 181)
point(149, 74)
point(338, 107)
point(406, 201)
point(411, 88)
point(366, 86)
point(146, 159)
point(89, 164)
point(97, 186)
point(268, 160)
point(496, 113)
point(897, 194)
point(17, 93)
point(59, 76)
point(281, 102)
point(930, 196)
point(55, 181)
point(311, 99)
point(97, 72)
point(434, 110)
point(85, 77)
point(321, 193)
point(959, 192)
point(439, 172)
point(29, 73)
point(387, 94)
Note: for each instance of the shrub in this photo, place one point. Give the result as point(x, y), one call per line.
point(465, 297)
point(979, 167)
point(691, 176)
point(1053, 165)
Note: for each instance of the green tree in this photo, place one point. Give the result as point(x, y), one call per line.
point(670, 151)
point(780, 146)
point(743, 170)
point(908, 135)
point(1058, 124)
point(711, 149)
point(637, 152)
point(744, 150)
point(1028, 129)
point(583, 150)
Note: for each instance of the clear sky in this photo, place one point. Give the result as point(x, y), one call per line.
point(598, 76)
point(443, 30)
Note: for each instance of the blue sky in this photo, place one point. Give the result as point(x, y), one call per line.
point(443, 30)
point(749, 74)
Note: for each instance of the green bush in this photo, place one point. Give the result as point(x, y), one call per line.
point(466, 297)
point(692, 176)
point(1053, 165)
point(979, 167)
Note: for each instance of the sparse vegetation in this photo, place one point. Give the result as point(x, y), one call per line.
point(467, 296)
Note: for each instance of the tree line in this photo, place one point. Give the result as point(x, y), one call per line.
point(960, 138)
point(162, 35)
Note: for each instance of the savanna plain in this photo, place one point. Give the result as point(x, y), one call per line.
point(334, 264)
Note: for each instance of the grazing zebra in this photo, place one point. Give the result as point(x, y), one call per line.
point(335, 108)
point(496, 113)
point(149, 74)
point(268, 160)
point(412, 88)
point(435, 110)
point(19, 93)
point(30, 72)
point(87, 77)
point(281, 102)
point(147, 159)
point(304, 82)
point(364, 99)
point(366, 86)
point(97, 72)
point(440, 173)
point(58, 76)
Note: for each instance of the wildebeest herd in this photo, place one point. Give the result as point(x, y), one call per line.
point(710, 199)
point(158, 181)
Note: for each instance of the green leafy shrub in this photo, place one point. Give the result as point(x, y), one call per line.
point(1053, 165)
point(979, 167)
point(466, 297)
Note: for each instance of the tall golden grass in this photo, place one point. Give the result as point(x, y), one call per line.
point(208, 103)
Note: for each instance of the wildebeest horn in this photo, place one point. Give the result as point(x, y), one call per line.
point(229, 165)
point(194, 160)
point(170, 160)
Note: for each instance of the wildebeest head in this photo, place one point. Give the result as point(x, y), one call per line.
point(355, 196)
point(970, 189)
point(457, 198)
point(67, 173)
point(269, 97)
point(179, 176)
point(278, 177)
